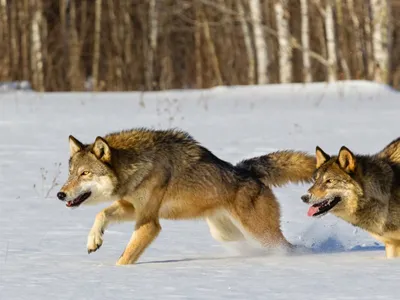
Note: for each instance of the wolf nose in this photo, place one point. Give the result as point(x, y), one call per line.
point(61, 195)
point(305, 198)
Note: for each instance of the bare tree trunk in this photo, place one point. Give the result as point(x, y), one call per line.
point(74, 74)
point(330, 41)
point(225, 33)
point(121, 35)
point(44, 31)
point(37, 55)
point(23, 12)
point(259, 42)
point(63, 56)
point(380, 17)
point(368, 40)
point(96, 48)
point(357, 38)
point(14, 41)
point(5, 38)
point(211, 48)
point(197, 45)
point(342, 42)
point(389, 42)
point(83, 27)
point(127, 37)
point(247, 42)
point(321, 38)
point(153, 32)
point(166, 72)
point(285, 49)
point(116, 43)
point(305, 41)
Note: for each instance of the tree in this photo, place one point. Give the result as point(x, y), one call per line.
point(305, 41)
point(380, 39)
point(285, 50)
point(259, 42)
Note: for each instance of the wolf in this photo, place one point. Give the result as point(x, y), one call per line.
point(363, 190)
point(166, 174)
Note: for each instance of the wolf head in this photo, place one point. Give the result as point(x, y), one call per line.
point(91, 179)
point(335, 188)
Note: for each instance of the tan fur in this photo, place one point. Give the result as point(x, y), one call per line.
point(391, 151)
point(156, 175)
point(368, 187)
point(281, 167)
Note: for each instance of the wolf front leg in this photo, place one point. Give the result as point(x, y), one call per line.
point(144, 234)
point(119, 211)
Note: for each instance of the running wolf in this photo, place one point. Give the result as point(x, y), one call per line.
point(363, 190)
point(166, 174)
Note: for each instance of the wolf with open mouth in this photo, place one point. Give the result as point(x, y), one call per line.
point(363, 190)
point(150, 175)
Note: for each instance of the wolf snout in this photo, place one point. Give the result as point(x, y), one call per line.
point(61, 195)
point(306, 198)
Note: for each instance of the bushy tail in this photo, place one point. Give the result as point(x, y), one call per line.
point(281, 167)
point(391, 151)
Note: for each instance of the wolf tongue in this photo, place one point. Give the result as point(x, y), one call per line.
point(312, 211)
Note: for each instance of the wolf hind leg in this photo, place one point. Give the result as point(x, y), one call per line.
point(259, 213)
point(392, 249)
point(223, 229)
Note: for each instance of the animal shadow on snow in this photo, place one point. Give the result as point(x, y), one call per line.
point(333, 245)
point(232, 251)
point(328, 240)
point(330, 245)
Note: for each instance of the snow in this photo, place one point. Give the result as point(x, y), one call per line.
point(10, 86)
point(43, 244)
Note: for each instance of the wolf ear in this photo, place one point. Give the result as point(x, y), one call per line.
point(74, 145)
point(347, 160)
point(102, 150)
point(321, 157)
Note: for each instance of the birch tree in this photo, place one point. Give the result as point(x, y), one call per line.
point(285, 50)
point(330, 41)
point(259, 42)
point(379, 10)
point(305, 41)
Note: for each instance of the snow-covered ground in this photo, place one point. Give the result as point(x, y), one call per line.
point(43, 244)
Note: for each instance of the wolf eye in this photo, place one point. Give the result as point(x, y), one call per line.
point(85, 173)
point(328, 181)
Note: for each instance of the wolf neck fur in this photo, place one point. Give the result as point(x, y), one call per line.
point(377, 180)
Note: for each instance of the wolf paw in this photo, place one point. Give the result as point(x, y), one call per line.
point(95, 240)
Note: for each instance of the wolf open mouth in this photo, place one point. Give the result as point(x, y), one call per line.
point(323, 207)
point(78, 200)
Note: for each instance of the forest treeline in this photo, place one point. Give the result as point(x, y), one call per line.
point(121, 45)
